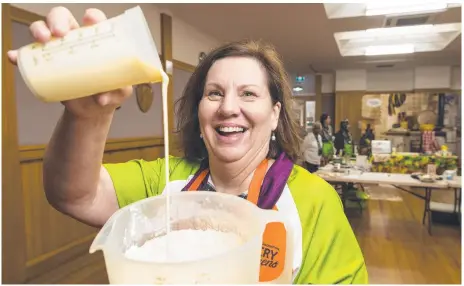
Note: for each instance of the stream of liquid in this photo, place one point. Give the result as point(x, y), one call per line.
point(164, 94)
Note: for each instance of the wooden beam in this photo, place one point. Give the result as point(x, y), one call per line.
point(168, 65)
point(28, 153)
point(23, 16)
point(305, 97)
point(318, 99)
point(184, 66)
point(13, 228)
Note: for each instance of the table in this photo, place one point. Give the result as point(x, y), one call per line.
point(456, 185)
point(407, 163)
point(397, 180)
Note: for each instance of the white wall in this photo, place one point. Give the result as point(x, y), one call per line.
point(187, 41)
point(456, 78)
point(328, 83)
point(348, 80)
point(425, 77)
point(385, 80)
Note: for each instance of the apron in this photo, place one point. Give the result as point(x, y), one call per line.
point(327, 149)
point(348, 150)
point(348, 146)
point(264, 191)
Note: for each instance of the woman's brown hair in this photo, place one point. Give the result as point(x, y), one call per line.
point(287, 133)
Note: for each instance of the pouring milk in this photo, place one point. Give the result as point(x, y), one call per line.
point(106, 56)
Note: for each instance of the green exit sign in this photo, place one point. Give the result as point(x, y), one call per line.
point(300, 78)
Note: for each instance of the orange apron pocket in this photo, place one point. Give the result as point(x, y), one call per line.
point(273, 252)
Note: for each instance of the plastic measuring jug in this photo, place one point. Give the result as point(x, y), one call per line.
point(143, 220)
point(106, 56)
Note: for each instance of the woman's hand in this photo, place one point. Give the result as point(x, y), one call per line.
point(58, 23)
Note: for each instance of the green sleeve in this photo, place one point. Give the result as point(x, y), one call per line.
point(331, 253)
point(135, 180)
point(139, 179)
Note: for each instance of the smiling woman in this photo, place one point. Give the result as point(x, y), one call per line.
point(237, 111)
point(238, 137)
point(258, 90)
point(234, 118)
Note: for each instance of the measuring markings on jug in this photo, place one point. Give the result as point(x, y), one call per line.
point(75, 41)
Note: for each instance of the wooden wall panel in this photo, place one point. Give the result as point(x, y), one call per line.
point(13, 238)
point(51, 237)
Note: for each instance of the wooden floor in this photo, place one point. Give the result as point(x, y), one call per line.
point(87, 269)
point(396, 246)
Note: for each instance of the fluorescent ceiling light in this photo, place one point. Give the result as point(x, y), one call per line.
point(406, 30)
point(389, 50)
point(348, 10)
point(297, 88)
point(404, 7)
point(424, 38)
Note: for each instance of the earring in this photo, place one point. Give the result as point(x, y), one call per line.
point(273, 137)
point(201, 136)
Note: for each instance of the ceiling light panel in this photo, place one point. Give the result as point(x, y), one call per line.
point(397, 8)
point(389, 50)
point(424, 38)
point(390, 8)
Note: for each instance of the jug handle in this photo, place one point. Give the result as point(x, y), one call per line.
point(102, 236)
point(274, 216)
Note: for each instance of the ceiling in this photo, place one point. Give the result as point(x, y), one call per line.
point(303, 34)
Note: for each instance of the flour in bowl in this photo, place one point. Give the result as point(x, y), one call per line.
point(184, 245)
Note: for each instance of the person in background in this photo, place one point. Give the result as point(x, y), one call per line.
point(343, 139)
point(303, 132)
point(300, 160)
point(327, 138)
point(430, 144)
point(312, 148)
point(365, 141)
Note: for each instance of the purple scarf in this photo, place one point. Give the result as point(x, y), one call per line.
point(273, 183)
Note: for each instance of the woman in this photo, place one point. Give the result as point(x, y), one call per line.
point(234, 118)
point(301, 161)
point(343, 139)
point(312, 146)
point(365, 141)
point(327, 137)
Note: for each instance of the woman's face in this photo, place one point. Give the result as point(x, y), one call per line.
point(328, 120)
point(236, 113)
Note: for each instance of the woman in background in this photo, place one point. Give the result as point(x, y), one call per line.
point(312, 148)
point(344, 140)
point(365, 141)
point(327, 138)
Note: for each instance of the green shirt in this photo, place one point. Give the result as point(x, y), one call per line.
point(326, 249)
